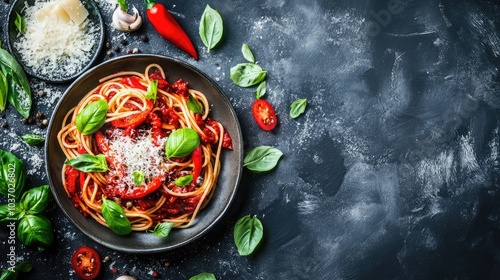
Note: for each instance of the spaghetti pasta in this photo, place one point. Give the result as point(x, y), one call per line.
point(140, 177)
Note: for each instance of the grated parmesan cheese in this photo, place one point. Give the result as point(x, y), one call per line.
point(137, 155)
point(52, 47)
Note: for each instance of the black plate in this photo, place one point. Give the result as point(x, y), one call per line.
point(94, 16)
point(229, 178)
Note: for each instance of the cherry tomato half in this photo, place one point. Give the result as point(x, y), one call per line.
point(264, 115)
point(86, 262)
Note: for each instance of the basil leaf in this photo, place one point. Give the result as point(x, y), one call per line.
point(35, 231)
point(261, 90)
point(19, 91)
point(181, 142)
point(123, 5)
point(4, 90)
point(298, 107)
point(35, 200)
point(20, 23)
point(12, 274)
point(248, 233)
point(211, 28)
point(33, 139)
point(18, 96)
point(262, 158)
point(89, 163)
point(92, 117)
point(184, 180)
point(193, 105)
point(152, 90)
point(10, 212)
point(163, 229)
point(138, 177)
point(247, 74)
point(115, 217)
point(12, 175)
point(247, 53)
point(203, 276)
point(9, 274)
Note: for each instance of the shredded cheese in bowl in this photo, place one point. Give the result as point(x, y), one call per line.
point(59, 41)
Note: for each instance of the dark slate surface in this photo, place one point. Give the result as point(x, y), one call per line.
point(392, 173)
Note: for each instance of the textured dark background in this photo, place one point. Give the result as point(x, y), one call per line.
point(392, 173)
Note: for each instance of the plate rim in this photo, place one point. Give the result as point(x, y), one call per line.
point(239, 155)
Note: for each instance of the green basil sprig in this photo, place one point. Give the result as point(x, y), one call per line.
point(298, 107)
point(203, 276)
point(34, 229)
point(12, 175)
point(184, 180)
point(262, 158)
point(92, 117)
point(247, 53)
point(20, 23)
point(115, 217)
point(123, 5)
point(193, 105)
point(13, 274)
point(211, 28)
point(163, 229)
point(247, 74)
point(33, 139)
point(9, 213)
point(138, 177)
point(19, 91)
point(248, 233)
point(261, 90)
point(181, 143)
point(152, 90)
point(89, 163)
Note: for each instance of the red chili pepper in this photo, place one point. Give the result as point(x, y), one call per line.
point(144, 190)
point(134, 120)
point(132, 81)
point(196, 157)
point(166, 25)
point(71, 176)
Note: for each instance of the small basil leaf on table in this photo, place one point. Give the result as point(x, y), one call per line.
point(181, 143)
point(211, 28)
point(203, 276)
point(163, 229)
point(35, 200)
point(92, 117)
point(261, 90)
point(115, 217)
point(13, 274)
point(247, 53)
point(89, 163)
point(12, 174)
point(262, 158)
point(33, 139)
point(248, 233)
point(247, 74)
point(35, 231)
point(298, 107)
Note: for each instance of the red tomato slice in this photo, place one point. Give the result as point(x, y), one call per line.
point(144, 190)
point(86, 262)
point(264, 115)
